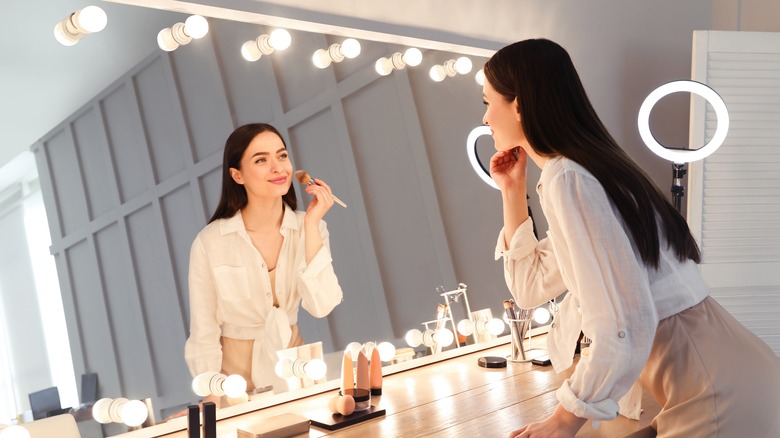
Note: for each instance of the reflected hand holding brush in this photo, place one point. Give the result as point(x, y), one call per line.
point(303, 177)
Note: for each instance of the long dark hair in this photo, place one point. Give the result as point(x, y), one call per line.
point(558, 119)
point(233, 197)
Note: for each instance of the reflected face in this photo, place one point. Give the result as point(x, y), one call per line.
point(503, 118)
point(266, 170)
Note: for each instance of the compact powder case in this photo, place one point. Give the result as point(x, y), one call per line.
point(491, 362)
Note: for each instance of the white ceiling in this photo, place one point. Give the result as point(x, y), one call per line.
point(43, 82)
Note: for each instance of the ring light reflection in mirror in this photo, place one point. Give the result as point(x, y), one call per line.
point(471, 150)
point(683, 155)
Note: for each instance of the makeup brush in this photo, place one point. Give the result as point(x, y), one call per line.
point(303, 177)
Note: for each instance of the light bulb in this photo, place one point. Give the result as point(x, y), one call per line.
point(466, 327)
point(115, 408)
point(280, 39)
point(414, 338)
point(413, 56)
point(201, 384)
point(444, 337)
point(541, 315)
point(165, 40)
point(321, 59)
point(250, 52)
point(350, 48)
point(234, 386)
point(480, 77)
point(284, 368)
point(91, 19)
point(386, 351)
point(428, 338)
point(368, 348)
point(354, 349)
point(383, 66)
point(63, 37)
point(315, 369)
point(495, 326)
point(133, 413)
point(100, 410)
point(438, 73)
point(14, 432)
point(463, 65)
point(196, 26)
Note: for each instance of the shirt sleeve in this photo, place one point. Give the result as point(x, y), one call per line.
point(611, 282)
point(202, 351)
point(319, 287)
point(530, 267)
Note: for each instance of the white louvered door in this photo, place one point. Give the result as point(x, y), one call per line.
point(734, 195)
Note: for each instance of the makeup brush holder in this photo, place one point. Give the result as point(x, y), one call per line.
point(518, 329)
point(361, 396)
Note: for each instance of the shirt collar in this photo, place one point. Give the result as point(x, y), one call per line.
point(235, 223)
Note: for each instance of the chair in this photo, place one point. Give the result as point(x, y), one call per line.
point(60, 426)
point(45, 403)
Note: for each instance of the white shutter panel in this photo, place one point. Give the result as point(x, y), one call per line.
point(734, 195)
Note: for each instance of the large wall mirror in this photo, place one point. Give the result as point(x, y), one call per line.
point(130, 178)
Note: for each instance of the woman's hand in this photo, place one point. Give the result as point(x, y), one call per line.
point(322, 201)
point(561, 424)
point(509, 168)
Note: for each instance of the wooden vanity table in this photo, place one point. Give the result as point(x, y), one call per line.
point(452, 398)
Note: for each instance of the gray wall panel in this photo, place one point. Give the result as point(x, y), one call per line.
point(125, 312)
point(89, 138)
point(161, 119)
point(210, 186)
point(125, 141)
point(298, 80)
point(66, 180)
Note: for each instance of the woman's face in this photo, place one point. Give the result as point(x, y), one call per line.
point(503, 119)
point(266, 170)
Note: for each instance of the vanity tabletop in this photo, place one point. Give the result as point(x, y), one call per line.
point(452, 398)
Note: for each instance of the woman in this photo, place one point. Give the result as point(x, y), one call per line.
point(256, 261)
point(628, 260)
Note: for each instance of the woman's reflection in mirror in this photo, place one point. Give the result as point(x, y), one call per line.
point(256, 262)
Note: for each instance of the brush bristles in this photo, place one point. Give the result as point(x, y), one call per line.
point(302, 176)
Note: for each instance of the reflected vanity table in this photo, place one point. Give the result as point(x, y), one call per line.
point(453, 397)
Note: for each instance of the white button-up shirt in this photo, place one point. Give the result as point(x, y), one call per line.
point(614, 298)
point(231, 295)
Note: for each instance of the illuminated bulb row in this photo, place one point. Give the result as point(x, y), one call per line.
point(194, 27)
point(492, 326)
point(120, 410)
point(386, 350)
point(314, 369)
point(442, 337)
point(279, 39)
point(398, 60)
point(450, 68)
point(349, 48)
point(214, 383)
point(83, 22)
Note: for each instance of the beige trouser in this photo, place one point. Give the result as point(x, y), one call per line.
point(237, 355)
point(712, 377)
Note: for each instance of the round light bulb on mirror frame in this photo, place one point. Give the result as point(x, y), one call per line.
point(201, 384)
point(284, 368)
point(541, 315)
point(14, 432)
point(479, 77)
point(495, 326)
point(134, 413)
point(443, 337)
point(466, 327)
point(234, 386)
point(350, 48)
point(414, 338)
point(165, 40)
point(383, 66)
point(437, 73)
point(91, 19)
point(386, 351)
point(463, 65)
point(65, 38)
point(100, 410)
point(280, 39)
point(321, 58)
point(196, 26)
point(413, 56)
point(354, 348)
point(250, 51)
point(315, 369)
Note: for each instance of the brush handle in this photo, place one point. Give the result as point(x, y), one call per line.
point(336, 199)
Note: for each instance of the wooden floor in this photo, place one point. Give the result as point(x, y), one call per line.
point(453, 398)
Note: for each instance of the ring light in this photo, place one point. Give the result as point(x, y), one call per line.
point(683, 155)
point(471, 150)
